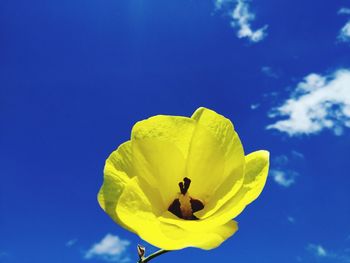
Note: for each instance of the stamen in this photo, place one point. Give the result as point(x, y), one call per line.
point(175, 208)
point(196, 205)
point(184, 206)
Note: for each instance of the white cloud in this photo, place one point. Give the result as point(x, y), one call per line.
point(344, 11)
point(220, 3)
point(255, 106)
point(110, 248)
point(281, 171)
point(71, 242)
point(317, 250)
point(284, 178)
point(318, 103)
point(344, 34)
point(241, 19)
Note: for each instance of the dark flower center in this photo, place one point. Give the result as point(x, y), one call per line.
point(184, 206)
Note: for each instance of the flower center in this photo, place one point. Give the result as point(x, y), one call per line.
point(184, 206)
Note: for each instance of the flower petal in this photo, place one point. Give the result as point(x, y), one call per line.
point(257, 164)
point(160, 145)
point(159, 166)
point(205, 164)
point(117, 173)
point(256, 171)
point(175, 129)
point(232, 153)
point(137, 213)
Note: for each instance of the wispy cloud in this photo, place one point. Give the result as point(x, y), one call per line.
point(241, 19)
point(344, 34)
point(219, 4)
point(297, 155)
point(110, 248)
point(255, 106)
point(281, 171)
point(320, 252)
point(269, 72)
point(344, 11)
point(317, 250)
point(317, 103)
point(71, 242)
point(284, 178)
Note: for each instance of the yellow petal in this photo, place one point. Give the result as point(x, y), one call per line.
point(256, 171)
point(175, 129)
point(159, 166)
point(117, 173)
point(231, 152)
point(205, 164)
point(137, 213)
point(257, 164)
point(160, 146)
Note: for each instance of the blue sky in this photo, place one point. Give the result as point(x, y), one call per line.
point(76, 75)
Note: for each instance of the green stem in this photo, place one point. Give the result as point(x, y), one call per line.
point(152, 256)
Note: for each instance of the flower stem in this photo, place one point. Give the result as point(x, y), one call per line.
point(152, 256)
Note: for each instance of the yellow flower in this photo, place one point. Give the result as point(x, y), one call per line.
point(179, 182)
